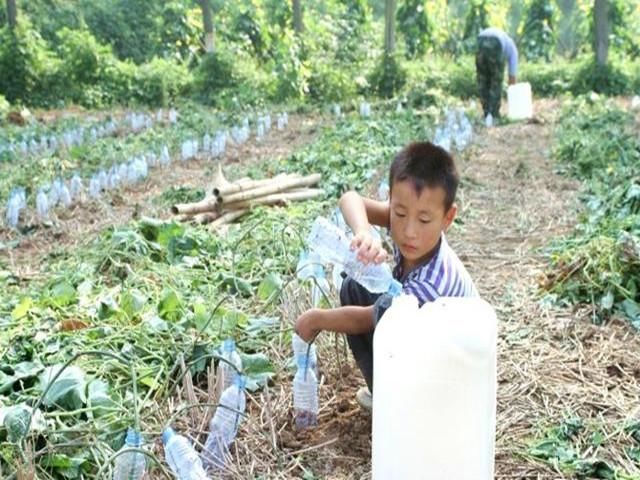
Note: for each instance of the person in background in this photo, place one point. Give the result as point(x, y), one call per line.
point(495, 48)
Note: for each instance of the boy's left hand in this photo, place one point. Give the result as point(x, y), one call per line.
point(305, 325)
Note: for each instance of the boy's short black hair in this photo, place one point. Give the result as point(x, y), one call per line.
point(426, 165)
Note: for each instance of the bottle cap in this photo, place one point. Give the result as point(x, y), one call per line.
point(167, 435)
point(395, 288)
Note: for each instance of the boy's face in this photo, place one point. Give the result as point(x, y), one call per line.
point(416, 221)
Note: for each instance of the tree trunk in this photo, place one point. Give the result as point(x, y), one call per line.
point(298, 21)
point(12, 14)
point(601, 21)
point(389, 26)
point(207, 20)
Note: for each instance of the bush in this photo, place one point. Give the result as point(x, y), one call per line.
point(26, 64)
point(214, 74)
point(610, 79)
point(329, 83)
point(388, 77)
point(160, 81)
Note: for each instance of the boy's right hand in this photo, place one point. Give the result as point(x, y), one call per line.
point(369, 249)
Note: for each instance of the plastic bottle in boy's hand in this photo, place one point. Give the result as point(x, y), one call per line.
point(333, 246)
point(305, 395)
point(228, 370)
point(223, 427)
point(181, 457)
point(130, 465)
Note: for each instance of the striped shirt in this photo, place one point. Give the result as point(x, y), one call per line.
point(443, 275)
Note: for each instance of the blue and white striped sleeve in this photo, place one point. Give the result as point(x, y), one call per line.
point(423, 290)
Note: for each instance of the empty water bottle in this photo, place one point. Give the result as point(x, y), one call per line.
point(63, 194)
point(181, 456)
point(42, 205)
point(230, 366)
point(383, 190)
point(305, 395)
point(76, 187)
point(224, 425)
point(130, 465)
point(333, 246)
point(306, 351)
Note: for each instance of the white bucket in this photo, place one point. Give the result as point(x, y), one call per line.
point(519, 101)
point(434, 399)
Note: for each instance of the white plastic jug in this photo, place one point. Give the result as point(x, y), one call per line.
point(434, 399)
point(519, 101)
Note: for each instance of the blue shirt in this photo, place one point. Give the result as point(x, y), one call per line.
point(508, 47)
point(443, 275)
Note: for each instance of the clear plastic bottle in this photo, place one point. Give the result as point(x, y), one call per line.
point(306, 351)
point(42, 205)
point(332, 245)
point(224, 425)
point(228, 370)
point(181, 456)
point(130, 465)
point(305, 395)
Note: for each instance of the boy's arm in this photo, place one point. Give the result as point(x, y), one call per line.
point(352, 320)
point(360, 213)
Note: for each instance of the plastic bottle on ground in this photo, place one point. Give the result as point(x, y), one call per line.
point(228, 370)
point(306, 351)
point(332, 245)
point(224, 425)
point(181, 456)
point(130, 465)
point(305, 395)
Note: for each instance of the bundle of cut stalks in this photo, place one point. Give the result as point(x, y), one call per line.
point(227, 201)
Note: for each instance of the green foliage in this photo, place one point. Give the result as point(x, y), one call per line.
point(599, 263)
point(25, 64)
point(160, 82)
point(213, 76)
point(415, 27)
point(609, 79)
point(388, 77)
point(476, 20)
point(537, 38)
point(5, 106)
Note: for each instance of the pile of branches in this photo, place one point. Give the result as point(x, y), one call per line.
point(228, 201)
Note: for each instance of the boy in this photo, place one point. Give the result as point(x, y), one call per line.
point(423, 180)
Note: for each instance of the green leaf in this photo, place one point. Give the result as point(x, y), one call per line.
point(98, 397)
point(258, 369)
point(226, 321)
point(131, 302)
point(235, 284)
point(270, 287)
point(260, 325)
point(68, 467)
point(632, 310)
point(606, 302)
point(170, 306)
point(22, 308)
point(67, 391)
point(594, 468)
point(62, 294)
point(15, 419)
point(21, 371)
point(168, 232)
